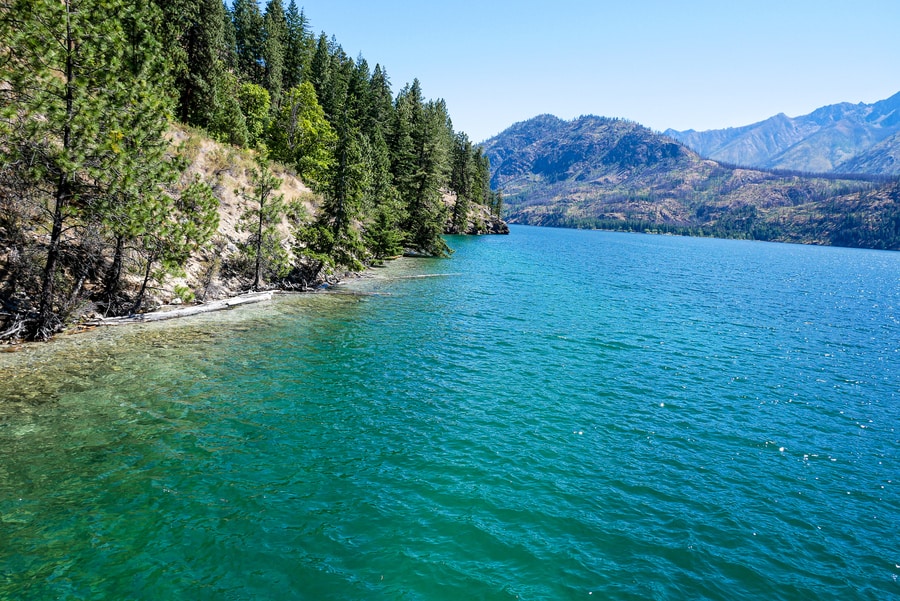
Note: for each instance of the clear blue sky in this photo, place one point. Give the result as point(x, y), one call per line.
point(685, 64)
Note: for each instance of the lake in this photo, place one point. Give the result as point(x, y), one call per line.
point(555, 414)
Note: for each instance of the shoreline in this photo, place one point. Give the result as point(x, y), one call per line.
point(167, 312)
point(151, 316)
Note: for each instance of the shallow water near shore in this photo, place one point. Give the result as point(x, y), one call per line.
point(550, 415)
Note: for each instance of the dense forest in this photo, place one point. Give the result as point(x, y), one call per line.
point(96, 205)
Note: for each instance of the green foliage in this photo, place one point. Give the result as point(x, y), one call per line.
point(299, 46)
point(83, 92)
point(383, 236)
point(275, 38)
point(184, 294)
point(264, 246)
point(199, 68)
point(312, 244)
point(249, 32)
point(254, 101)
point(91, 188)
point(301, 136)
point(228, 124)
point(342, 209)
point(170, 229)
point(420, 140)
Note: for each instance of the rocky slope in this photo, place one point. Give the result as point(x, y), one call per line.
point(838, 138)
point(228, 170)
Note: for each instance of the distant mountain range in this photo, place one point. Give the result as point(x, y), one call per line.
point(595, 172)
point(839, 138)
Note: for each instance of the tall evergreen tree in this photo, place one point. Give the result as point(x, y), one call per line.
point(358, 97)
point(461, 181)
point(274, 49)
point(249, 32)
point(228, 123)
point(264, 245)
point(342, 210)
point(380, 110)
point(420, 144)
point(71, 104)
point(298, 48)
point(383, 234)
point(228, 54)
point(320, 69)
point(203, 43)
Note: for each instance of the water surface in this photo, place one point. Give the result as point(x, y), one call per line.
point(550, 415)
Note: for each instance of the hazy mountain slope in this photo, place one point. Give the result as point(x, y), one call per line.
point(826, 140)
point(883, 157)
point(614, 174)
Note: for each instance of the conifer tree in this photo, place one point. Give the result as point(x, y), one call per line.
point(342, 209)
point(358, 96)
point(202, 44)
point(69, 78)
point(171, 229)
point(298, 48)
point(275, 31)
point(420, 144)
point(380, 109)
point(321, 75)
point(229, 41)
point(228, 123)
point(264, 244)
point(255, 104)
point(461, 181)
point(249, 32)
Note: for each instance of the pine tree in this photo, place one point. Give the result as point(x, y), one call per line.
point(384, 210)
point(171, 228)
point(359, 97)
point(380, 111)
point(202, 43)
point(320, 74)
point(228, 123)
point(461, 181)
point(299, 46)
point(274, 49)
point(264, 245)
point(342, 209)
point(228, 54)
point(69, 78)
point(420, 140)
point(249, 31)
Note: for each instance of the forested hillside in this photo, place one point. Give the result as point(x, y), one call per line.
point(595, 172)
point(100, 205)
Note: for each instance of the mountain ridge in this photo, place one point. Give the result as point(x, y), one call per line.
point(826, 140)
point(598, 172)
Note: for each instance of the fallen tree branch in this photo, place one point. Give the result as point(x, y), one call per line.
point(227, 303)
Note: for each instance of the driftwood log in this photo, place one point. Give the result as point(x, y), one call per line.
point(244, 299)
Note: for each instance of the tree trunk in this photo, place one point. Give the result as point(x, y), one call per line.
point(46, 324)
point(140, 297)
point(259, 241)
point(112, 281)
point(47, 319)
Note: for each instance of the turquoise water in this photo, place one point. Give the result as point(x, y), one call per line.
point(551, 415)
